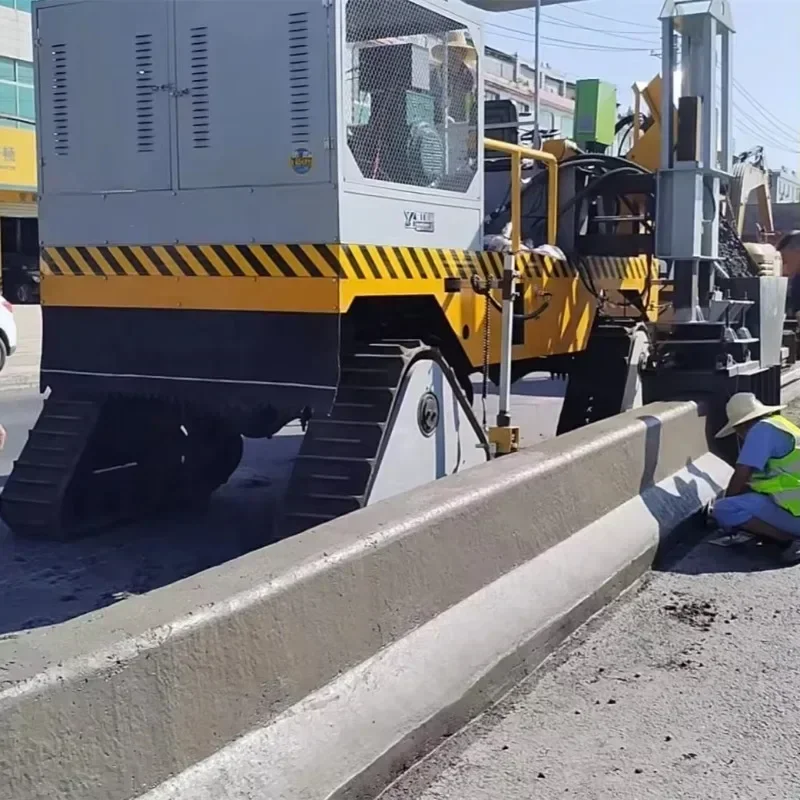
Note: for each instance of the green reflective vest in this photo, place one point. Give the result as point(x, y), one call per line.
point(781, 476)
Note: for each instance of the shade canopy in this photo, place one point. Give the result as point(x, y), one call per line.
point(515, 5)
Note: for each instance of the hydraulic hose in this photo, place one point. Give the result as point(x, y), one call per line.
point(486, 292)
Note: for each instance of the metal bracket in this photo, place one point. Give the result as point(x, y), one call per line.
point(505, 440)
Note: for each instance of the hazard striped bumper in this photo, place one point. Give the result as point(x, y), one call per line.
point(303, 278)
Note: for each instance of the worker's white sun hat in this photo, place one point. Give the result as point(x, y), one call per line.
point(457, 42)
point(745, 407)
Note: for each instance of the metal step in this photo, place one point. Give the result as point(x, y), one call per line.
point(372, 369)
point(330, 475)
point(337, 438)
point(334, 505)
point(362, 404)
point(339, 454)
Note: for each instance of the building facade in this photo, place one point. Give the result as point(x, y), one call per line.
point(506, 77)
point(784, 186)
point(19, 251)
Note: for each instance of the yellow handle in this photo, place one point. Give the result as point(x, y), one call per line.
point(517, 153)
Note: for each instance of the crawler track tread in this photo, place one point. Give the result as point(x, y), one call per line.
point(32, 496)
point(90, 464)
point(333, 471)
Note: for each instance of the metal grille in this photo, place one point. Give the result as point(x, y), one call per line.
point(201, 112)
point(299, 78)
point(58, 53)
point(143, 56)
point(411, 101)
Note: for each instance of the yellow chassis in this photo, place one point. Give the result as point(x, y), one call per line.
point(328, 279)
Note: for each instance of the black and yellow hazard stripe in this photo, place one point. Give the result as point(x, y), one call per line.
point(189, 261)
point(351, 262)
point(616, 268)
point(359, 262)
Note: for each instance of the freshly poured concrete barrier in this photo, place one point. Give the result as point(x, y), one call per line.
point(327, 663)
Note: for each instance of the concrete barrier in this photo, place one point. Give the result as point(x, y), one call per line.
point(323, 665)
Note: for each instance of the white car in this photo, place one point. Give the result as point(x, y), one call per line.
point(8, 331)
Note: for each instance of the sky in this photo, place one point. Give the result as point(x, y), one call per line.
point(619, 41)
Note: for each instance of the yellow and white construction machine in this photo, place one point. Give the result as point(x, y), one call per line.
point(259, 210)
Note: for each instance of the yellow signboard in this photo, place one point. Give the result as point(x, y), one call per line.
point(17, 160)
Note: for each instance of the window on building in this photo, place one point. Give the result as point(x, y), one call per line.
point(492, 95)
point(523, 108)
point(494, 67)
point(16, 93)
point(553, 85)
point(18, 5)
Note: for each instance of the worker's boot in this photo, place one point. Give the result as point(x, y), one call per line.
point(790, 553)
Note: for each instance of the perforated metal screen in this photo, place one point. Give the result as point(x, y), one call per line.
point(411, 95)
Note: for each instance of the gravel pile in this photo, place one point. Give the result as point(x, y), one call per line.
point(733, 254)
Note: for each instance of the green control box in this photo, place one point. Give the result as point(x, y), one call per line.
point(595, 112)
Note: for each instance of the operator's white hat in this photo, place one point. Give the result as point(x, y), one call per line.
point(457, 42)
point(745, 407)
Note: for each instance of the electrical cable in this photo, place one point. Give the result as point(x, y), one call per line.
point(788, 129)
point(512, 33)
point(633, 37)
point(752, 127)
point(612, 19)
point(486, 291)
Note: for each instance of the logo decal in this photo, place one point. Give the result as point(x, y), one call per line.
point(302, 161)
point(420, 221)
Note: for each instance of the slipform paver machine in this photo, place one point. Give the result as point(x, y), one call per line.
point(255, 211)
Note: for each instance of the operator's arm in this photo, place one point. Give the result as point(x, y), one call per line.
point(739, 481)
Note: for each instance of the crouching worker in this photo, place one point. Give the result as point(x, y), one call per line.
point(763, 496)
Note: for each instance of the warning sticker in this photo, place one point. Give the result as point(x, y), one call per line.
point(301, 161)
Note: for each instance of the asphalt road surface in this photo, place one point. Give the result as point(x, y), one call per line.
point(687, 688)
point(18, 411)
point(45, 583)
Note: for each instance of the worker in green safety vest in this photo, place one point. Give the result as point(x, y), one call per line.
point(455, 88)
point(763, 496)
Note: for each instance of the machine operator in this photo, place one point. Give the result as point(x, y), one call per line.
point(763, 496)
point(461, 81)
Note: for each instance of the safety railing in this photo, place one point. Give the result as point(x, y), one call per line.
point(517, 153)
